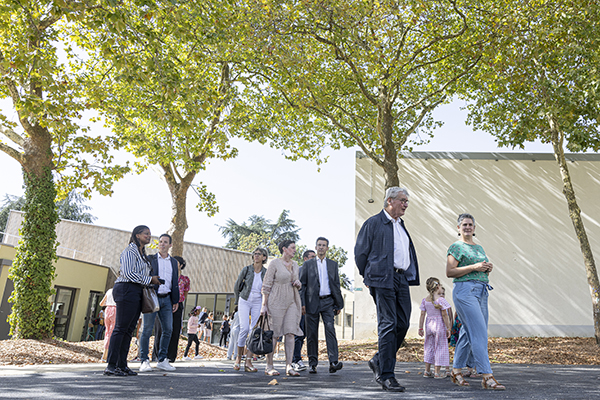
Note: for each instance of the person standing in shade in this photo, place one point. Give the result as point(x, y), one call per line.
point(386, 258)
point(167, 268)
point(297, 363)
point(127, 292)
point(321, 296)
point(184, 288)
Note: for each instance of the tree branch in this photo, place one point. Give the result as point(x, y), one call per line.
point(12, 135)
point(12, 152)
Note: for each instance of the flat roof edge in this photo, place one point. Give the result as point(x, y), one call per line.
point(455, 155)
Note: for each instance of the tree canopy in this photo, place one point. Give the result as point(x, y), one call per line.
point(360, 73)
point(263, 232)
point(540, 80)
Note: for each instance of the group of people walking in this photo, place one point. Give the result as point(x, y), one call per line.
point(293, 298)
point(385, 256)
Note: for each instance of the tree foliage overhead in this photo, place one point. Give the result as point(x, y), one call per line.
point(360, 73)
point(44, 133)
point(262, 232)
point(166, 77)
point(541, 81)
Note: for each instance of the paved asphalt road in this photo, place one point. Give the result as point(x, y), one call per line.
point(202, 380)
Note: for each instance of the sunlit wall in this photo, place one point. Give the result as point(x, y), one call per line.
point(539, 279)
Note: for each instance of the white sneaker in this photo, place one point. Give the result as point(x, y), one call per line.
point(299, 366)
point(186, 358)
point(198, 357)
point(145, 367)
point(165, 366)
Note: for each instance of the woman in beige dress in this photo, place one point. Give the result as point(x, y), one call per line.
point(281, 302)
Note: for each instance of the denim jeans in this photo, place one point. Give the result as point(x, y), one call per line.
point(471, 302)
point(165, 315)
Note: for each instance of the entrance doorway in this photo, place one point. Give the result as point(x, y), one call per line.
point(62, 307)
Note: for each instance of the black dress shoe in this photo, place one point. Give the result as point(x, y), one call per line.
point(372, 363)
point(128, 371)
point(335, 366)
point(112, 371)
point(312, 369)
point(392, 385)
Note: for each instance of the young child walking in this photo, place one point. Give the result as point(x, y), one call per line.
point(437, 330)
point(192, 330)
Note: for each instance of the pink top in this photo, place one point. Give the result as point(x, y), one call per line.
point(430, 309)
point(184, 287)
point(193, 324)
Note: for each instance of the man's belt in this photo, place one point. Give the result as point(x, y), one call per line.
point(399, 271)
point(164, 294)
point(324, 297)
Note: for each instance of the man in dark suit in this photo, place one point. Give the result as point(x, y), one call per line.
point(166, 268)
point(297, 363)
point(321, 295)
point(386, 258)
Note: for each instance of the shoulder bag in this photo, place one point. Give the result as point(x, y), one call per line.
point(260, 340)
point(149, 300)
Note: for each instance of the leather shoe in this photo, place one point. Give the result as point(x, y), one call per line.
point(374, 366)
point(112, 371)
point(129, 371)
point(392, 385)
point(335, 366)
point(312, 369)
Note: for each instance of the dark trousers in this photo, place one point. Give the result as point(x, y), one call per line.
point(128, 297)
point(298, 342)
point(174, 341)
point(223, 340)
point(312, 333)
point(192, 337)
point(393, 319)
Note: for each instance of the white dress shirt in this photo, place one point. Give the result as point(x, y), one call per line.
point(323, 278)
point(401, 244)
point(165, 271)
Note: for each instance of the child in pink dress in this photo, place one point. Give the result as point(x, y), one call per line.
point(437, 330)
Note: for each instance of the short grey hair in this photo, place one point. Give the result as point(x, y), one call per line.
point(465, 215)
point(392, 193)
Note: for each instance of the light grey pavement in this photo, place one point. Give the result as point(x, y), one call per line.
point(218, 380)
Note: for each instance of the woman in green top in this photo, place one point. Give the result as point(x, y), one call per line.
point(470, 268)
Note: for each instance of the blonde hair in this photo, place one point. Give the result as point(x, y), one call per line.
point(432, 286)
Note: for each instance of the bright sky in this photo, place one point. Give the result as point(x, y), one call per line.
point(261, 181)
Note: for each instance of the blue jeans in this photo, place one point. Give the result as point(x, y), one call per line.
point(471, 302)
point(165, 315)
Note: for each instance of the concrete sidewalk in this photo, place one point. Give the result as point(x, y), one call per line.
point(217, 379)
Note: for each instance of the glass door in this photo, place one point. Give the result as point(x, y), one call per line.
point(62, 307)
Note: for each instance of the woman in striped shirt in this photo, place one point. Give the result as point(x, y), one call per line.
point(127, 292)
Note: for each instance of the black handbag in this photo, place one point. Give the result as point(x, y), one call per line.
point(260, 340)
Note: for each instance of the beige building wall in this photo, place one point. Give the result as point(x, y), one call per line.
point(211, 269)
point(81, 276)
point(539, 279)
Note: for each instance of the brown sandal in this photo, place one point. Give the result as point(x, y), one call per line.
point(458, 379)
point(491, 383)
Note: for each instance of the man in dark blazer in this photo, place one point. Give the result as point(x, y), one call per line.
point(166, 268)
point(321, 295)
point(386, 258)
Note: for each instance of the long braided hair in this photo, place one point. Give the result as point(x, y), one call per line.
point(133, 239)
point(432, 286)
